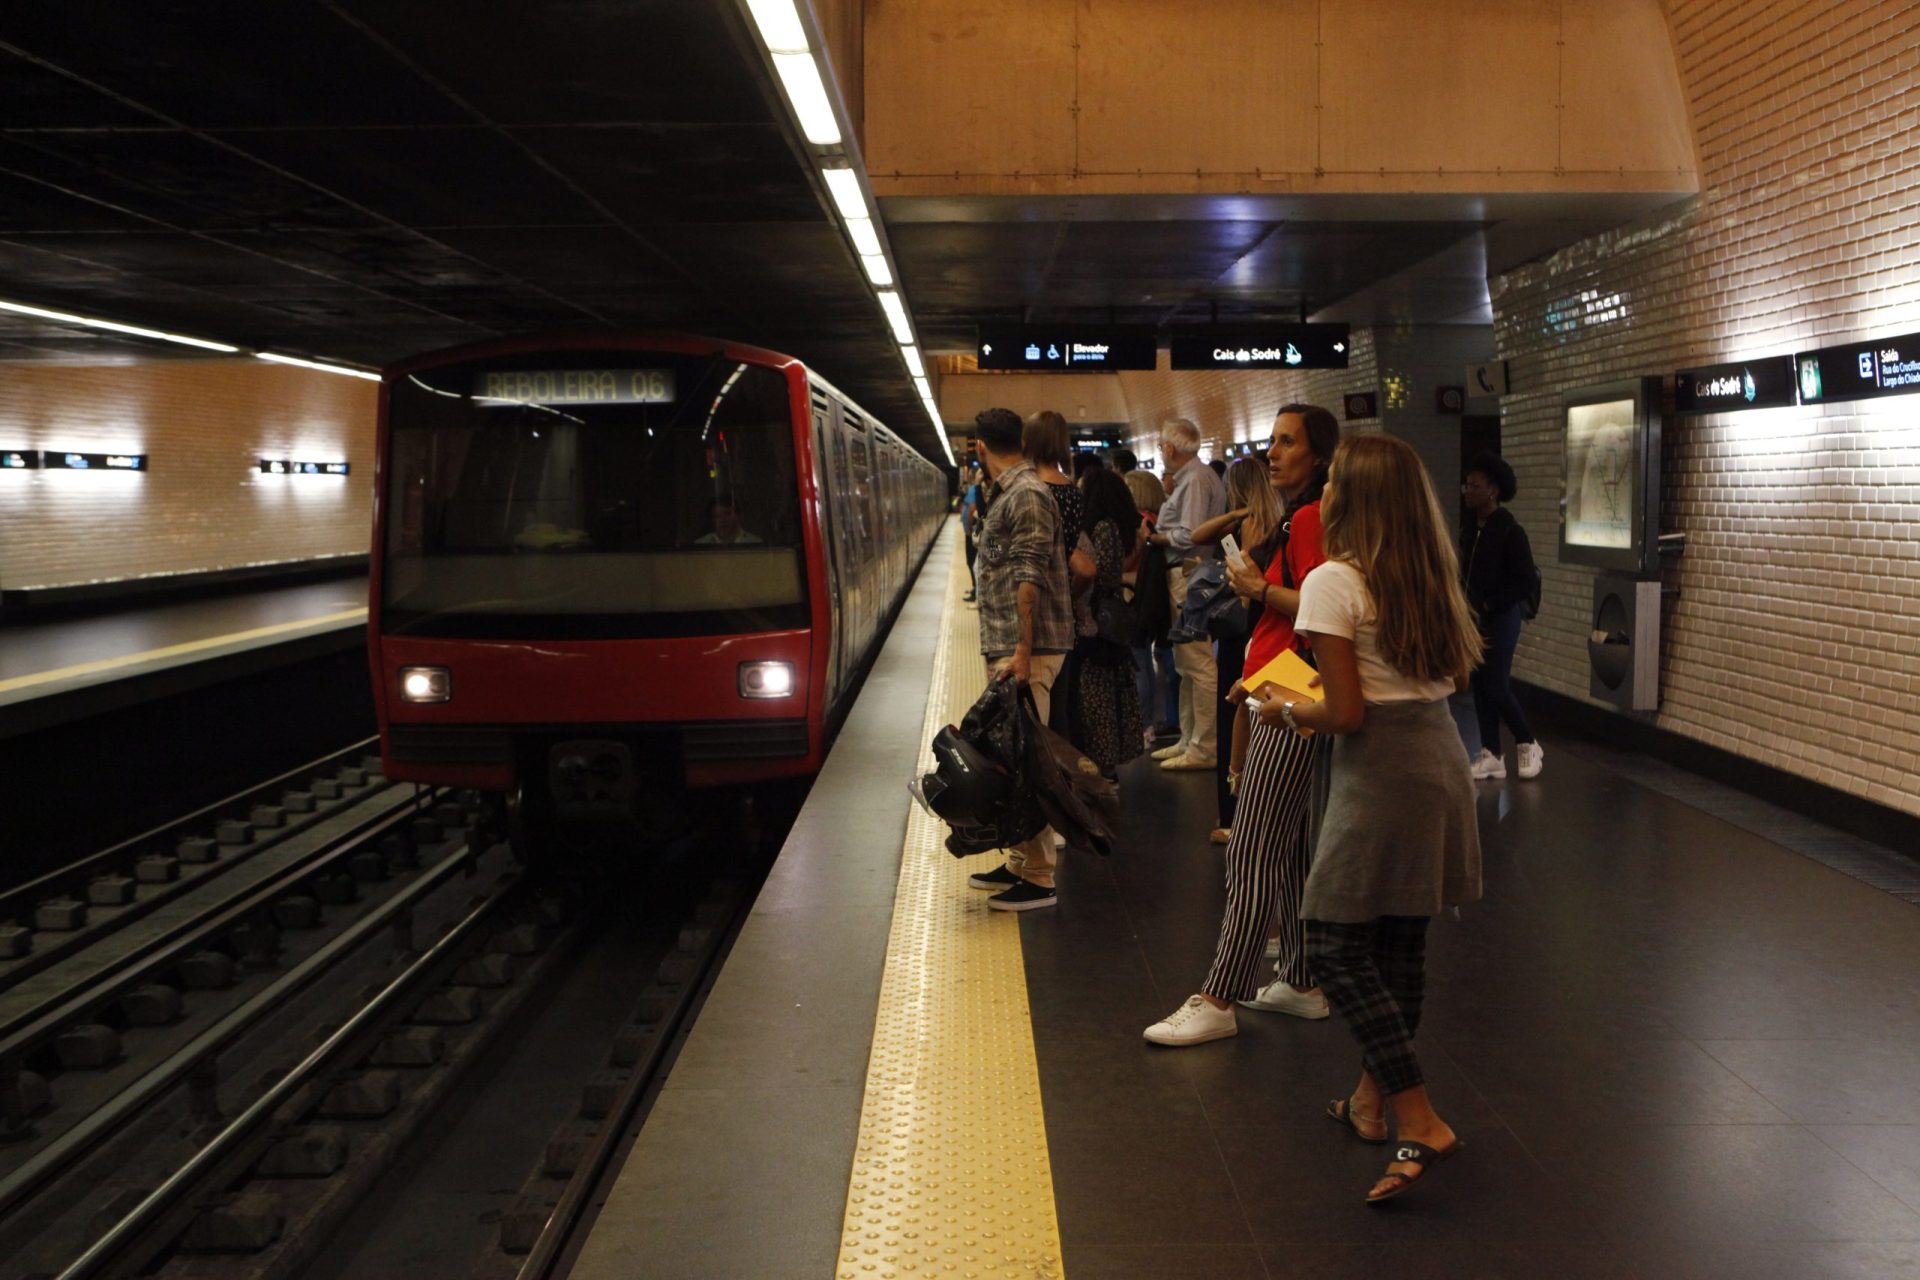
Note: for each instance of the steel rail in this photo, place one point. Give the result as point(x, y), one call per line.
point(38, 1172)
point(78, 872)
point(22, 1032)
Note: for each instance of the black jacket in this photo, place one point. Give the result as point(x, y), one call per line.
point(1498, 563)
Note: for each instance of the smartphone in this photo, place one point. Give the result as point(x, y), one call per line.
point(1232, 547)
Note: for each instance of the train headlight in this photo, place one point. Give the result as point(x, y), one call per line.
point(426, 684)
point(766, 679)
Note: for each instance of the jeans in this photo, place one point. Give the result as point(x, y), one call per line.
point(1152, 665)
point(1492, 682)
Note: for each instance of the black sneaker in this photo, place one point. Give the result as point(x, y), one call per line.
point(1001, 877)
point(1024, 896)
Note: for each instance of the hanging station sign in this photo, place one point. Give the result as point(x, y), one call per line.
point(55, 460)
point(19, 460)
point(281, 467)
point(1066, 348)
point(1726, 388)
point(1859, 370)
point(1278, 346)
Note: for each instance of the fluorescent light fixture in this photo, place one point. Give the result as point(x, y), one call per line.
point(315, 364)
point(896, 315)
point(926, 389)
point(866, 241)
point(779, 24)
point(878, 272)
point(848, 198)
point(91, 322)
point(800, 77)
point(914, 362)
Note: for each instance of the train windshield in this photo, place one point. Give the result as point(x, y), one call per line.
point(598, 494)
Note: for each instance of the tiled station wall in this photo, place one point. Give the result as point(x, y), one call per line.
point(1795, 636)
point(203, 504)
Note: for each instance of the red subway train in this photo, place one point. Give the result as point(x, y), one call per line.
point(613, 569)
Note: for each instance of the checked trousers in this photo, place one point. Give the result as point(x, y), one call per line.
point(1374, 975)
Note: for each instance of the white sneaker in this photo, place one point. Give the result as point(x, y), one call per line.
point(1169, 753)
point(1273, 948)
point(1194, 1022)
point(1488, 765)
point(1531, 758)
point(1279, 996)
point(1191, 760)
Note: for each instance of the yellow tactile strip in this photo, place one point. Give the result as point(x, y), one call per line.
point(951, 1175)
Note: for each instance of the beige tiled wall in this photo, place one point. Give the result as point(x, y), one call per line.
point(1795, 637)
point(203, 503)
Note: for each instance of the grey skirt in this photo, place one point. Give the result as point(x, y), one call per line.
point(1399, 836)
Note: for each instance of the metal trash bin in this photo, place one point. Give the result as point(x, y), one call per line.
point(1623, 650)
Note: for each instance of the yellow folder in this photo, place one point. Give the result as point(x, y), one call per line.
point(1286, 677)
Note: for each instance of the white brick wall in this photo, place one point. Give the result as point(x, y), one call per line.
point(203, 503)
point(1795, 640)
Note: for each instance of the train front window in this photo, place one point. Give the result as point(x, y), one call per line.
point(598, 494)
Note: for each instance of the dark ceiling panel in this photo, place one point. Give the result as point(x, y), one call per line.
point(29, 204)
point(33, 96)
point(682, 173)
point(212, 64)
point(604, 61)
point(427, 177)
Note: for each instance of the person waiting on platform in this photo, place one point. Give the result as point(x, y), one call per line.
point(1394, 636)
point(1026, 621)
point(727, 531)
point(970, 524)
point(1501, 579)
point(1154, 676)
point(1194, 496)
point(1271, 845)
point(1105, 718)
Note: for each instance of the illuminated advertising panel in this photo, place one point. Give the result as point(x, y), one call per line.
point(1610, 477)
point(1065, 348)
point(1278, 346)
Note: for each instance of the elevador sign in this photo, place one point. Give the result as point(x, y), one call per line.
point(1066, 348)
point(1279, 346)
point(1728, 388)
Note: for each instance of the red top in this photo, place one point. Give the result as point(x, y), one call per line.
point(1273, 634)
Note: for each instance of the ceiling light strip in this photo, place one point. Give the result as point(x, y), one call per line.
point(369, 375)
point(94, 322)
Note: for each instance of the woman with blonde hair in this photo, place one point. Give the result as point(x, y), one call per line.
point(1393, 636)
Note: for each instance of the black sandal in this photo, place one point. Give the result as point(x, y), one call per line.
point(1415, 1153)
point(1340, 1111)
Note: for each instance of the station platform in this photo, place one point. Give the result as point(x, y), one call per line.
point(1675, 1043)
point(63, 667)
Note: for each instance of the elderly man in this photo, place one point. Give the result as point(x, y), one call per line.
point(1026, 619)
point(1194, 496)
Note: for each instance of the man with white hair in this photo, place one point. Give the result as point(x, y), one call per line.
point(1194, 496)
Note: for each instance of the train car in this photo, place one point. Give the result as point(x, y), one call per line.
point(612, 569)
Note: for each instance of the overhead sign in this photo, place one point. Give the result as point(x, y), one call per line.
point(94, 461)
point(281, 467)
point(1726, 388)
point(1066, 348)
point(1860, 370)
point(1279, 346)
point(574, 386)
point(19, 460)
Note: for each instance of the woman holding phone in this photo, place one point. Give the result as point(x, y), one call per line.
point(1270, 847)
point(1394, 636)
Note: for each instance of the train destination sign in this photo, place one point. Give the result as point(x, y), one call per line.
point(19, 460)
point(1279, 346)
point(574, 386)
point(282, 467)
point(1066, 348)
point(1860, 370)
point(1724, 388)
point(94, 461)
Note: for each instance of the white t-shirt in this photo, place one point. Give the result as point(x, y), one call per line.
point(1334, 601)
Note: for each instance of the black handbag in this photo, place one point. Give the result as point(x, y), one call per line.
point(1115, 619)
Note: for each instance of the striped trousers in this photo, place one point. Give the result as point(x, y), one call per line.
point(1268, 857)
point(1374, 975)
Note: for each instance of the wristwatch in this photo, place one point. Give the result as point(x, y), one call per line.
point(1286, 713)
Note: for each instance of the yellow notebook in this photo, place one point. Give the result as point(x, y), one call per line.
point(1287, 676)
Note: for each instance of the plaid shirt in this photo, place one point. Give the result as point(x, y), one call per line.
point(1020, 542)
